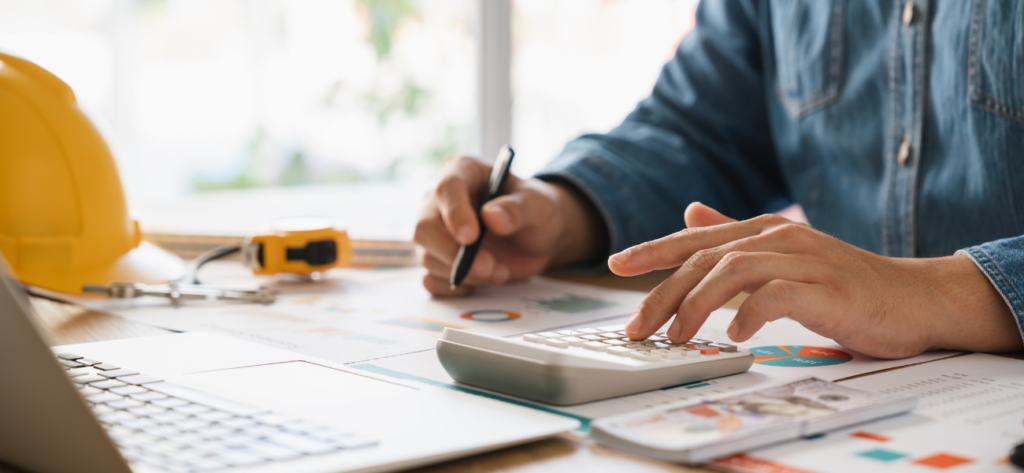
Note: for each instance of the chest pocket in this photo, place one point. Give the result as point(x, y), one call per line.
point(995, 68)
point(808, 45)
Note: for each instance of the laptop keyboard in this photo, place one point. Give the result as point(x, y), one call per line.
point(179, 429)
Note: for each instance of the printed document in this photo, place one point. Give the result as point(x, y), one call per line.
point(970, 415)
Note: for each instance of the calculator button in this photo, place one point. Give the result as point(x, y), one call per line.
point(589, 330)
point(661, 345)
point(687, 352)
point(615, 343)
point(610, 328)
point(706, 350)
point(610, 335)
point(724, 347)
point(532, 337)
point(646, 356)
point(574, 341)
point(557, 343)
point(657, 338)
point(549, 334)
point(660, 351)
point(621, 351)
point(567, 333)
point(598, 346)
point(699, 341)
point(594, 338)
point(674, 355)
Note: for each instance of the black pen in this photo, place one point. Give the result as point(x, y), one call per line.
point(467, 253)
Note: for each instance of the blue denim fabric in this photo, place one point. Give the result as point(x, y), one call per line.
point(771, 102)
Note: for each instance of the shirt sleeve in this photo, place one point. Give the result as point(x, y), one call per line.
point(1002, 261)
point(702, 135)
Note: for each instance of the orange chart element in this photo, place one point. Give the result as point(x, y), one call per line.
point(490, 315)
point(942, 461)
point(870, 436)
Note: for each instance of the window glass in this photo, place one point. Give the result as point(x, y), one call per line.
point(199, 95)
point(580, 66)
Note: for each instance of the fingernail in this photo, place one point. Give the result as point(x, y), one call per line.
point(673, 332)
point(635, 324)
point(464, 234)
point(733, 331)
point(620, 257)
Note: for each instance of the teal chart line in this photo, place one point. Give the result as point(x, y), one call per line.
point(584, 421)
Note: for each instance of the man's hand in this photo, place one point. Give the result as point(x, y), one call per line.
point(880, 306)
point(532, 226)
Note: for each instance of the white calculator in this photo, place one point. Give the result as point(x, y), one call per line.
point(584, 364)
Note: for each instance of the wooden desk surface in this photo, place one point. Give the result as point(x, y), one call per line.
point(64, 324)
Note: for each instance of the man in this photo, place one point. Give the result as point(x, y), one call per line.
point(897, 126)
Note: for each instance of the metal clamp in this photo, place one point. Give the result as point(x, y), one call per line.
point(180, 292)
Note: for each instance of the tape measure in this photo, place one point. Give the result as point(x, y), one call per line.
point(298, 246)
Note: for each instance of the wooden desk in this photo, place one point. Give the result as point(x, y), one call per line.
point(64, 324)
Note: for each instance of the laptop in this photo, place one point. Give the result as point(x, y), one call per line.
point(206, 402)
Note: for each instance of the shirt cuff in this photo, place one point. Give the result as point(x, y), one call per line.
point(1002, 262)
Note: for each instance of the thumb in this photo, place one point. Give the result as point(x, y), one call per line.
point(510, 213)
point(699, 215)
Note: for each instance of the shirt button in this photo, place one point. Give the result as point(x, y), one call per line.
point(903, 153)
point(908, 13)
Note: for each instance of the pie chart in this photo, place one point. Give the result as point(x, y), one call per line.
point(490, 315)
point(795, 356)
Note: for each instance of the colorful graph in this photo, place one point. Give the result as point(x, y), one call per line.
point(799, 356)
point(490, 315)
point(572, 304)
point(422, 324)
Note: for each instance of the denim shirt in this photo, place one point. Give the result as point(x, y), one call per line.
point(899, 129)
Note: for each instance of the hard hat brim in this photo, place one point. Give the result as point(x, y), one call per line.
point(146, 263)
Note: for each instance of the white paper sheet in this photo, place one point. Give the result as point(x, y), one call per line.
point(971, 413)
point(385, 320)
point(358, 315)
point(803, 353)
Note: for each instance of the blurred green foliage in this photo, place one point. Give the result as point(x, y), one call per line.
point(385, 16)
point(384, 19)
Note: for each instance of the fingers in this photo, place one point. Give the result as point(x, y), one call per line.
point(675, 249)
point(485, 271)
point(464, 179)
point(526, 205)
point(699, 215)
point(736, 272)
point(773, 301)
point(440, 287)
point(664, 301)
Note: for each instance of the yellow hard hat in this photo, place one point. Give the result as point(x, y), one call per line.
point(63, 218)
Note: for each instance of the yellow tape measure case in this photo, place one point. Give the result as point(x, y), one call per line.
point(299, 246)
